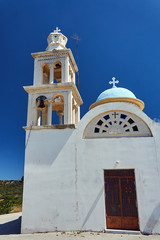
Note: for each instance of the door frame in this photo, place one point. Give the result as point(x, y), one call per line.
point(120, 197)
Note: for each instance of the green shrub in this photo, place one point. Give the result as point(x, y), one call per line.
point(10, 195)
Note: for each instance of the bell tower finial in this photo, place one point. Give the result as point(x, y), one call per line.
point(57, 30)
point(56, 40)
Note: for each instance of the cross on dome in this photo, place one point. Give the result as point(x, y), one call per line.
point(114, 81)
point(57, 30)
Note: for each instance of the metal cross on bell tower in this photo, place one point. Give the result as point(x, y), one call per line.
point(57, 30)
point(114, 81)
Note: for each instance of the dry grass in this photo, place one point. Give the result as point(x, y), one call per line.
point(17, 209)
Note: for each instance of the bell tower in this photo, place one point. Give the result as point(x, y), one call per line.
point(53, 98)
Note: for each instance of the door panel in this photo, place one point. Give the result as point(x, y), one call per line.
point(129, 197)
point(129, 223)
point(112, 197)
point(114, 222)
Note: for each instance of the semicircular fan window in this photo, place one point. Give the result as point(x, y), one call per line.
point(116, 124)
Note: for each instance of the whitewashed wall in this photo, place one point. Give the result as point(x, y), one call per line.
point(64, 181)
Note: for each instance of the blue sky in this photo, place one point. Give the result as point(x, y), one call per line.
point(119, 38)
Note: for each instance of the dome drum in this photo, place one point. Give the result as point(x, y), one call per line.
point(135, 101)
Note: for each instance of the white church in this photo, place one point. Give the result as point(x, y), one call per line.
point(97, 173)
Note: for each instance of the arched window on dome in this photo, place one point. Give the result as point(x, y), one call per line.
point(116, 124)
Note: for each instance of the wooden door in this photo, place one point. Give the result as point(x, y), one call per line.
point(120, 198)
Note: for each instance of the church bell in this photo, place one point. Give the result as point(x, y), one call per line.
point(41, 102)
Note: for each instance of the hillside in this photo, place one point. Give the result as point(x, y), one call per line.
point(10, 196)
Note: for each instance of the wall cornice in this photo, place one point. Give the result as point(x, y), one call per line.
point(55, 86)
point(57, 53)
point(54, 127)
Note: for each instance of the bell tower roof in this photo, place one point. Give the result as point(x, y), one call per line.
point(56, 40)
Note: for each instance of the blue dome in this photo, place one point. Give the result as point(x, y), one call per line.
point(115, 92)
